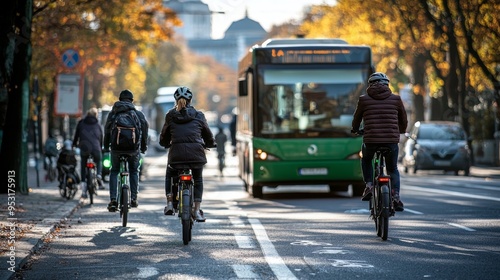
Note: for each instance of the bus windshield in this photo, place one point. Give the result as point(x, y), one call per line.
point(308, 102)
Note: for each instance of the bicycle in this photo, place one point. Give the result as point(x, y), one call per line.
point(381, 203)
point(381, 206)
point(67, 187)
point(51, 164)
point(123, 189)
point(184, 198)
point(91, 178)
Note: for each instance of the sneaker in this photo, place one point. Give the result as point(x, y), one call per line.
point(398, 204)
point(198, 216)
point(112, 206)
point(169, 210)
point(367, 193)
point(84, 195)
point(134, 203)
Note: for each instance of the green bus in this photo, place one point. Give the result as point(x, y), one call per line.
point(296, 98)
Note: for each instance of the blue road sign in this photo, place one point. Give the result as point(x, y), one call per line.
point(70, 58)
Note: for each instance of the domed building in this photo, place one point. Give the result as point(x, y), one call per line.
point(197, 30)
point(238, 38)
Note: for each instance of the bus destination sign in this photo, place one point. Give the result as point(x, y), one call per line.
point(308, 55)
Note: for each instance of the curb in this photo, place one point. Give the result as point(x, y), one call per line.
point(33, 241)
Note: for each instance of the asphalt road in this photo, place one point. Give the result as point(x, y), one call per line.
point(449, 230)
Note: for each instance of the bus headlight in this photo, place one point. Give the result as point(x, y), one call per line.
point(263, 155)
point(357, 155)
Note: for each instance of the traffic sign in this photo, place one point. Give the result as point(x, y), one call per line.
point(70, 58)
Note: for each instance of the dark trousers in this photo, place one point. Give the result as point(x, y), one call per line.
point(83, 164)
point(391, 162)
point(133, 169)
point(197, 177)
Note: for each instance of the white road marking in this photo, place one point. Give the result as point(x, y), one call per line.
point(413, 211)
point(462, 227)
point(237, 222)
point(244, 271)
point(272, 257)
point(146, 272)
point(415, 188)
point(244, 241)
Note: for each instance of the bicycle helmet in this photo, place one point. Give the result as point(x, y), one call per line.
point(126, 95)
point(68, 145)
point(378, 77)
point(183, 92)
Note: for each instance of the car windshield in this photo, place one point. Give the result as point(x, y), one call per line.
point(441, 132)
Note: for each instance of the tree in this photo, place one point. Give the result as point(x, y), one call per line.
point(15, 46)
point(450, 46)
point(106, 34)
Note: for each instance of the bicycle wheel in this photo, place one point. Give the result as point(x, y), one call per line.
point(62, 191)
point(186, 217)
point(124, 204)
point(384, 212)
point(90, 186)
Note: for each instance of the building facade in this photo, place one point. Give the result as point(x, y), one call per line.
point(197, 30)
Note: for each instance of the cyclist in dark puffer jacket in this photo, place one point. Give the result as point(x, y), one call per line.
point(384, 119)
point(88, 137)
point(187, 134)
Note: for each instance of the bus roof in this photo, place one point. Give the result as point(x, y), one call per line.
point(303, 41)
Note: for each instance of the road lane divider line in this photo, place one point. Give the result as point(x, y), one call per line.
point(413, 211)
point(244, 241)
point(244, 271)
point(462, 227)
point(237, 222)
point(272, 257)
point(415, 188)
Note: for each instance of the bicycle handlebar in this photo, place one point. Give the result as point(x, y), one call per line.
point(358, 132)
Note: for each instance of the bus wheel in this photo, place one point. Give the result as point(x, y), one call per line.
point(338, 188)
point(257, 191)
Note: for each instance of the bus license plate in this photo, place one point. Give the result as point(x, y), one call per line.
point(313, 171)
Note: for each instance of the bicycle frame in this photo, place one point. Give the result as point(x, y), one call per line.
point(69, 182)
point(185, 198)
point(91, 178)
point(381, 207)
point(123, 198)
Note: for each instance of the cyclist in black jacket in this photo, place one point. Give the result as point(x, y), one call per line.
point(124, 104)
point(384, 119)
point(187, 134)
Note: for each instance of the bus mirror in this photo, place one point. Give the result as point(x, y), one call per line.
point(242, 87)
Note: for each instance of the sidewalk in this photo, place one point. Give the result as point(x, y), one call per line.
point(36, 217)
point(39, 214)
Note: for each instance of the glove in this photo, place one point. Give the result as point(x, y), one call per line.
point(143, 151)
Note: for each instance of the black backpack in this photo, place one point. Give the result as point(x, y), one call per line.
point(126, 132)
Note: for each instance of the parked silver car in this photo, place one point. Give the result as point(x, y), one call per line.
point(437, 145)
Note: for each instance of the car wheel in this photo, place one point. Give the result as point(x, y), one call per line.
point(466, 171)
